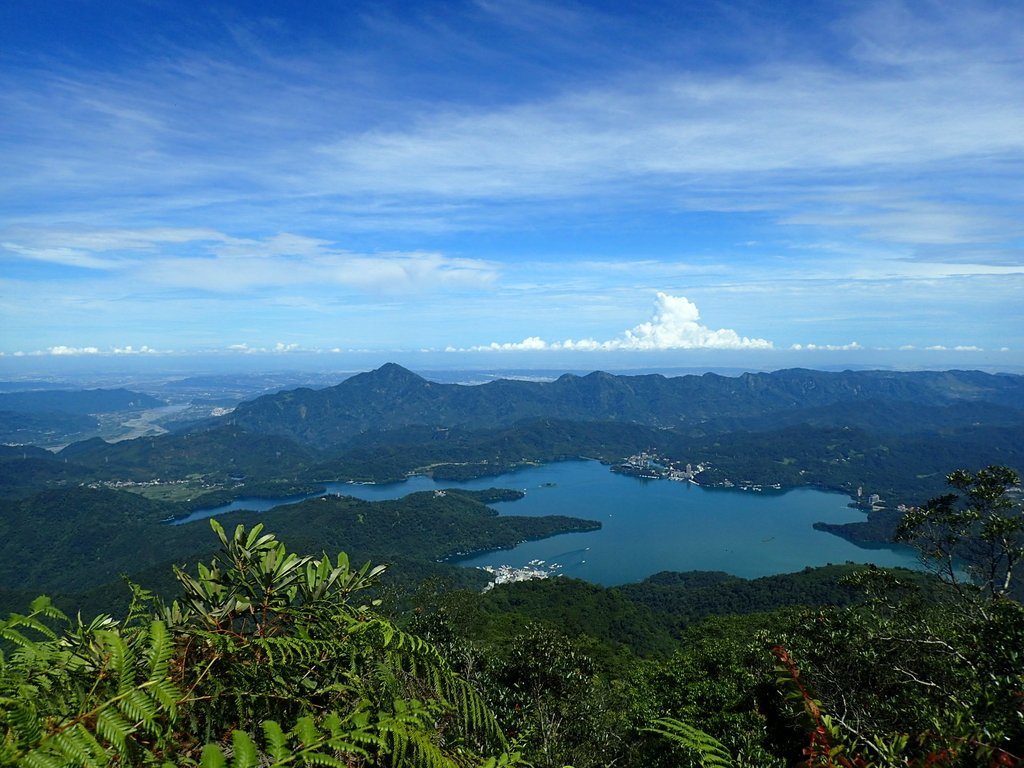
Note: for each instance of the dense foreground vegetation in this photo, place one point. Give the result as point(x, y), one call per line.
point(270, 658)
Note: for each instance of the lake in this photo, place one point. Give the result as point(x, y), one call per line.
point(651, 525)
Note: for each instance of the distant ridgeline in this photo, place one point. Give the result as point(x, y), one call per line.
point(894, 434)
point(82, 401)
point(392, 397)
point(888, 433)
point(36, 416)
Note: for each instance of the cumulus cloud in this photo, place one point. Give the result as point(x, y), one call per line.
point(853, 345)
point(944, 348)
point(63, 350)
point(278, 348)
point(675, 325)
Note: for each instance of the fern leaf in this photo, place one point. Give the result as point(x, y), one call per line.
point(306, 731)
point(319, 758)
point(245, 752)
point(166, 694)
point(277, 742)
point(709, 750)
point(138, 707)
point(120, 659)
point(212, 757)
point(160, 650)
point(40, 760)
point(25, 724)
point(78, 747)
point(114, 729)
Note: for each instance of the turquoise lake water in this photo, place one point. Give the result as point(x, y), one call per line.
point(651, 525)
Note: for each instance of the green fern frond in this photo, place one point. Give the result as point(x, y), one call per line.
point(709, 750)
point(114, 729)
point(161, 649)
point(311, 745)
point(212, 757)
point(276, 740)
point(245, 753)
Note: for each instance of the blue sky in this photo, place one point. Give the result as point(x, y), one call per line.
point(598, 184)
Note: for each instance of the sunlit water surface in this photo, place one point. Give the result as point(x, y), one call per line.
point(650, 525)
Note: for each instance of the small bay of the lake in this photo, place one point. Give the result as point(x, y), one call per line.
point(651, 525)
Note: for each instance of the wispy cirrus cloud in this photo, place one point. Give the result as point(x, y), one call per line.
point(193, 122)
point(347, 178)
point(212, 261)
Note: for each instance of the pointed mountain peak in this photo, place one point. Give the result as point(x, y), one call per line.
point(389, 374)
point(394, 370)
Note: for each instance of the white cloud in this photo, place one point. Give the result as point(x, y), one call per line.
point(675, 325)
point(208, 260)
point(68, 257)
point(884, 215)
point(767, 120)
point(852, 346)
point(63, 350)
point(958, 348)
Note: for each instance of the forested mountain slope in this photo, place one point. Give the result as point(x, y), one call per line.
point(392, 397)
point(76, 401)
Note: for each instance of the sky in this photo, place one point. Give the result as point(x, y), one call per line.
point(558, 184)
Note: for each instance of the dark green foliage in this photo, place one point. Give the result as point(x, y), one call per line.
point(718, 681)
point(78, 539)
point(88, 401)
point(576, 608)
point(96, 692)
point(902, 468)
point(25, 473)
point(273, 658)
point(432, 525)
point(709, 750)
point(547, 690)
point(44, 428)
point(490, 495)
point(71, 539)
point(979, 531)
point(392, 397)
point(261, 636)
point(688, 598)
point(219, 453)
point(461, 454)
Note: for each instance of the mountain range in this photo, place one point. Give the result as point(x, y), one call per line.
point(393, 397)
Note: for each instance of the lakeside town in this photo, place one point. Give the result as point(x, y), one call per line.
point(507, 574)
point(652, 466)
point(648, 465)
